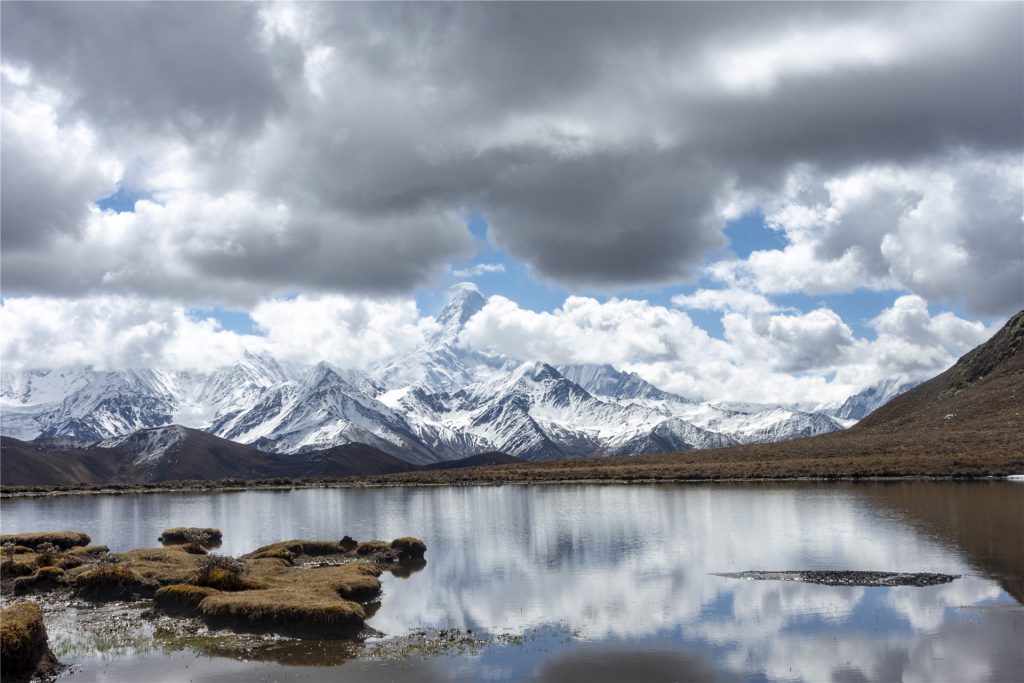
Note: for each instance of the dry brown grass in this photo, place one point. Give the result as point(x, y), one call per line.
point(283, 610)
point(112, 582)
point(11, 568)
point(264, 591)
point(161, 565)
point(224, 574)
point(286, 550)
point(45, 579)
point(181, 598)
point(57, 559)
point(23, 641)
point(89, 550)
point(17, 550)
point(60, 539)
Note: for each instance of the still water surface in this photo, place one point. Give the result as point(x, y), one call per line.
point(597, 583)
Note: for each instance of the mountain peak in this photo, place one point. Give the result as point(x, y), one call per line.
point(465, 302)
point(536, 370)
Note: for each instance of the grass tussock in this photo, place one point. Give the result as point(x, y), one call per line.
point(223, 573)
point(380, 552)
point(181, 598)
point(11, 568)
point(189, 534)
point(112, 582)
point(43, 580)
point(23, 640)
point(291, 549)
point(317, 602)
point(161, 565)
point(51, 558)
point(284, 610)
point(59, 539)
point(372, 547)
point(89, 551)
point(409, 548)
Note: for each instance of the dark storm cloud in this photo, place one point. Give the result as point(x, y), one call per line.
point(598, 139)
point(135, 64)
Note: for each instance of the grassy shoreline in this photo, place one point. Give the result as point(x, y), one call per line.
point(360, 483)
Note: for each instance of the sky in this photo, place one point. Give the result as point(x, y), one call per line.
point(761, 202)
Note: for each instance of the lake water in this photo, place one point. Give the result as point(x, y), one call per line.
point(594, 583)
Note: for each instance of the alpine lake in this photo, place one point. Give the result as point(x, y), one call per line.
point(666, 582)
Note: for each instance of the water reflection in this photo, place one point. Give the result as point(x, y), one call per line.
point(622, 576)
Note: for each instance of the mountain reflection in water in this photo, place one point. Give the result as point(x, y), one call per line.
point(617, 582)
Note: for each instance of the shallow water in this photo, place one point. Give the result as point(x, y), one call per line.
point(594, 583)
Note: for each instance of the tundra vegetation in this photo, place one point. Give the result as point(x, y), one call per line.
point(301, 588)
point(24, 646)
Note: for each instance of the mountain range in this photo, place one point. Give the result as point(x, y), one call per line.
point(439, 403)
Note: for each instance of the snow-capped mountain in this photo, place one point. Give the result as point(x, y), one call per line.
point(440, 402)
point(84, 403)
point(536, 413)
point(858, 406)
point(604, 380)
point(325, 408)
point(440, 364)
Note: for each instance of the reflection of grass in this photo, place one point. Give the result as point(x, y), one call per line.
point(252, 647)
point(109, 633)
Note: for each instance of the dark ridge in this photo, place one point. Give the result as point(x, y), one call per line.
point(198, 456)
point(478, 460)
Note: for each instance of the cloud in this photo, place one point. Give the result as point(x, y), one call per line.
point(724, 300)
point(948, 232)
point(333, 147)
point(479, 269)
point(120, 332)
point(349, 332)
point(792, 343)
point(111, 333)
point(54, 170)
point(772, 357)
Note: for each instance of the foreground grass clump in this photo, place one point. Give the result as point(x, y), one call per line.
point(161, 565)
point(314, 589)
point(89, 550)
point(10, 568)
point(222, 573)
point(58, 539)
point(183, 535)
point(112, 582)
point(287, 550)
point(23, 641)
point(181, 598)
point(45, 579)
point(285, 610)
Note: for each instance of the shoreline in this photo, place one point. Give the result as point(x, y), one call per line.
point(214, 487)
